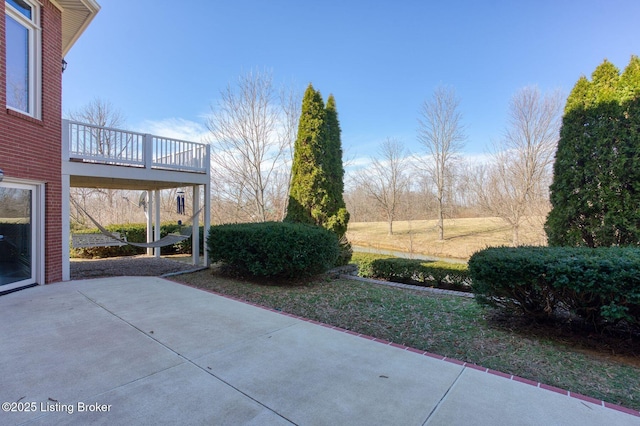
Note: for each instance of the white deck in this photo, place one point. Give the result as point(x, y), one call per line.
point(102, 157)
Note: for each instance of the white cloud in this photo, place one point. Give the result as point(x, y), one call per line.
point(356, 163)
point(474, 159)
point(176, 128)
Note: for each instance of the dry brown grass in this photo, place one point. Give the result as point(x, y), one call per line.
point(463, 237)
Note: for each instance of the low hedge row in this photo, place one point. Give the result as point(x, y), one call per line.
point(601, 285)
point(137, 233)
point(414, 271)
point(364, 262)
point(273, 249)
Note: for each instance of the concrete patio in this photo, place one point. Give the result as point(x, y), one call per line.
point(144, 350)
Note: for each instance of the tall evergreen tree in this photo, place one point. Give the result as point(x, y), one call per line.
point(630, 80)
point(337, 214)
point(595, 193)
point(307, 175)
point(316, 194)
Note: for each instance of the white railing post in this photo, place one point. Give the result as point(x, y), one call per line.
point(66, 226)
point(66, 140)
point(207, 160)
point(148, 151)
point(195, 230)
point(156, 212)
point(150, 202)
point(207, 202)
point(207, 222)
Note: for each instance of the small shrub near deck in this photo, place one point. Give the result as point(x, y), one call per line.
point(414, 271)
point(184, 246)
point(274, 249)
point(136, 233)
point(601, 285)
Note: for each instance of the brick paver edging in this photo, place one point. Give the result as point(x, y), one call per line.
point(439, 357)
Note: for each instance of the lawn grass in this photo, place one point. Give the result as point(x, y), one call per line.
point(462, 237)
point(451, 326)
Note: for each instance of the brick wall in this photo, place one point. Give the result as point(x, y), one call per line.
point(31, 148)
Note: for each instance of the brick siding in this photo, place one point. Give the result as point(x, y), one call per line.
point(31, 148)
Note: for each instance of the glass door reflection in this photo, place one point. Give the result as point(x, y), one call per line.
point(16, 236)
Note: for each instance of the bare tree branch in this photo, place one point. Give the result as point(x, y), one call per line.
point(100, 112)
point(385, 180)
point(251, 140)
point(515, 185)
point(442, 134)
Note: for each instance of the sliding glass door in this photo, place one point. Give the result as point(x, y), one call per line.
point(17, 235)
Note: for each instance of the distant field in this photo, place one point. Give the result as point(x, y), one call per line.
point(462, 237)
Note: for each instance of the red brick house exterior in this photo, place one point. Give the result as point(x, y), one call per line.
point(30, 143)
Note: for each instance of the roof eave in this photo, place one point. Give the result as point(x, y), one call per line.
point(76, 17)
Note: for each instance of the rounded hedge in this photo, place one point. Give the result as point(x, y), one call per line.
point(602, 285)
point(274, 249)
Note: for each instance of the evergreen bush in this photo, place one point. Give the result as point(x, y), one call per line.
point(413, 271)
point(595, 192)
point(317, 173)
point(601, 285)
point(273, 249)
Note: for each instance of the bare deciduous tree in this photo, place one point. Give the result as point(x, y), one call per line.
point(442, 134)
point(357, 201)
point(385, 180)
point(251, 141)
point(291, 105)
point(514, 186)
point(101, 113)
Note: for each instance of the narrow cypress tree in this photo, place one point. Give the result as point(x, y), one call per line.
point(317, 174)
point(596, 188)
point(630, 80)
point(337, 214)
point(307, 176)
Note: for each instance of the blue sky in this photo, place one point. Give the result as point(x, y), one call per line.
point(163, 63)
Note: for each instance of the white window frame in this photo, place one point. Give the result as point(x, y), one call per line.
point(37, 230)
point(35, 56)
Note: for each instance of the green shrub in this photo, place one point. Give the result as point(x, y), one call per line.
point(274, 249)
point(345, 253)
point(446, 272)
point(415, 271)
point(136, 233)
point(365, 261)
point(602, 285)
point(513, 279)
point(396, 269)
point(133, 232)
point(184, 246)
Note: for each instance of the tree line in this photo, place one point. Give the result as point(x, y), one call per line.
point(512, 184)
point(254, 128)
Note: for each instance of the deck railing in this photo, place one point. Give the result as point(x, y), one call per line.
point(104, 145)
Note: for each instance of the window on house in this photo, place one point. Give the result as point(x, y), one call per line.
point(17, 232)
point(23, 56)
